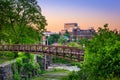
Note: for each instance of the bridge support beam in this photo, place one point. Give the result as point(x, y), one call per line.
point(45, 61)
point(49, 59)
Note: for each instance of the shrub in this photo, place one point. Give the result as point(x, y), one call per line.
point(102, 56)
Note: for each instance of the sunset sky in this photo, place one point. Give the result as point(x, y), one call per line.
point(87, 13)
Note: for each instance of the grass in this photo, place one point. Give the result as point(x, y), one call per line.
point(5, 59)
point(55, 74)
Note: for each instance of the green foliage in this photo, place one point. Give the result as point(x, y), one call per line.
point(76, 64)
point(62, 40)
point(72, 76)
point(19, 19)
point(40, 56)
point(5, 59)
point(60, 60)
point(74, 44)
point(40, 71)
point(16, 76)
point(21, 22)
point(21, 54)
point(7, 54)
point(53, 38)
point(21, 12)
point(50, 40)
point(23, 38)
point(83, 41)
point(102, 55)
point(25, 65)
point(67, 34)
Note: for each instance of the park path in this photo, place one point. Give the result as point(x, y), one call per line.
point(57, 72)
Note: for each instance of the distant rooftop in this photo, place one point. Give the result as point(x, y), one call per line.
point(75, 24)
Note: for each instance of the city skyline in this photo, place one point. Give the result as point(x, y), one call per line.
point(87, 13)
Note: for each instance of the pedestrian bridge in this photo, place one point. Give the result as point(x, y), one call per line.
point(71, 53)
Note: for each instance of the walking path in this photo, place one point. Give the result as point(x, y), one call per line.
point(63, 66)
point(57, 72)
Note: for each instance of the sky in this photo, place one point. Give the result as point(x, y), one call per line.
point(87, 13)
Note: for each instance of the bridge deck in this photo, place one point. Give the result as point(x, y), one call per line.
point(73, 53)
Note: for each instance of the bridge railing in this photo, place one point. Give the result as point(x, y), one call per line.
point(64, 51)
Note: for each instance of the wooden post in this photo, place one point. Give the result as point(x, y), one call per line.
point(78, 57)
point(63, 52)
point(71, 54)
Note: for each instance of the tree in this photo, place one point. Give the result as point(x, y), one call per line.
point(67, 34)
point(62, 40)
point(102, 56)
point(21, 22)
point(50, 40)
point(83, 41)
point(74, 38)
point(53, 38)
point(56, 37)
point(18, 14)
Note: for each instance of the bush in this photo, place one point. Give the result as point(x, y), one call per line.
point(72, 76)
point(74, 44)
point(60, 60)
point(25, 65)
point(16, 77)
point(102, 56)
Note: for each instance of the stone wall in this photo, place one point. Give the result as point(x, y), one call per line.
point(6, 71)
point(45, 61)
